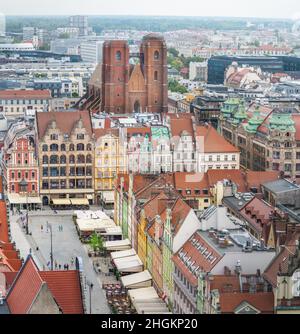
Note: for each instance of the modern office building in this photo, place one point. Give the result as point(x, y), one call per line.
point(217, 65)
point(91, 51)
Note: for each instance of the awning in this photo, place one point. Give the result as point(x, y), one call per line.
point(130, 264)
point(87, 225)
point(18, 199)
point(79, 201)
point(108, 196)
point(61, 201)
point(138, 280)
point(117, 245)
point(120, 254)
point(147, 301)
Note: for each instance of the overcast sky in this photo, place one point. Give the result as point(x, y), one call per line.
point(237, 8)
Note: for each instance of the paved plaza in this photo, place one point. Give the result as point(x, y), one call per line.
point(66, 245)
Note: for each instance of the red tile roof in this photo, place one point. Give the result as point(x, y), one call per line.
point(281, 260)
point(260, 209)
point(25, 288)
point(181, 123)
point(65, 288)
point(180, 211)
point(256, 179)
point(3, 223)
point(220, 282)
point(234, 175)
point(192, 182)
point(103, 132)
point(24, 94)
point(213, 141)
point(190, 250)
point(263, 301)
point(65, 121)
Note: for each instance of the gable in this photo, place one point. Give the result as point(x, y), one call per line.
point(44, 302)
point(137, 81)
point(246, 308)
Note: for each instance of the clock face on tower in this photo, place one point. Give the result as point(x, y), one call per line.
point(296, 283)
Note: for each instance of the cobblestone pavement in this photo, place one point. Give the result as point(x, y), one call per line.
point(66, 245)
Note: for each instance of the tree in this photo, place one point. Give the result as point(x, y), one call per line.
point(64, 35)
point(96, 242)
point(176, 87)
point(75, 94)
point(173, 52)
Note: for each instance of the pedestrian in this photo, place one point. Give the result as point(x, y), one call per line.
point(72, 261)
point(42, 228)
point(30, 250)
point(61, 228)
point(48, 264)
point(67, 266)
point(59, 266)
point(37, 248)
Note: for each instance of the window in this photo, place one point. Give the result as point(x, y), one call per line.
point(72, 159)
point(298, 167)
point(80, 147)
point(12, 187)
point(80, 159)
point(72, 147)
point(62, 147)
point(54, 159)
point(12, 175)
point(210, 158)
point(45, 171)
point(63, 159)
point(54, 148)
point(287, 167)
point(118, 56)
point(45, 159)
point(276, 155)
point(80, 136)
point(233, 158)
point(156, 55)
point(155, 75)
point(298, 155)
point(45, 148)
point(288, 155)
point(33, 187)
point(54, 137)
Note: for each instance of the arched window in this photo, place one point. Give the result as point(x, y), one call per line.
point(63, 159)
point(137, 106)
point(72, 147)
point(155, 75)
point(54, 159)
point(80, 147)
point(45, 159)
point(53, 147)
point(63, 147)
point(72, 159)
point(156, 55)
point(45, 148)
point(89, 147)
point(88, 159)
point(80, 159)
point(118, 55)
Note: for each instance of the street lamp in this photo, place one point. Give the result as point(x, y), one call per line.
point(51, 245)
point(23, 187)
point(91, 285)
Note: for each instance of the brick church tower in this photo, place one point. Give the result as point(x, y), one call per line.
point(142, 87)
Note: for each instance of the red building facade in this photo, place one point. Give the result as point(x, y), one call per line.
point(21, 164)
point(139, 87)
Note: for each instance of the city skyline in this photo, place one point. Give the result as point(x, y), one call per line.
point(216, 8)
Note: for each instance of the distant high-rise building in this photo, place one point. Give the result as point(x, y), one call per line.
point(2, 25)
point(28, 33)
point(80, 22)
